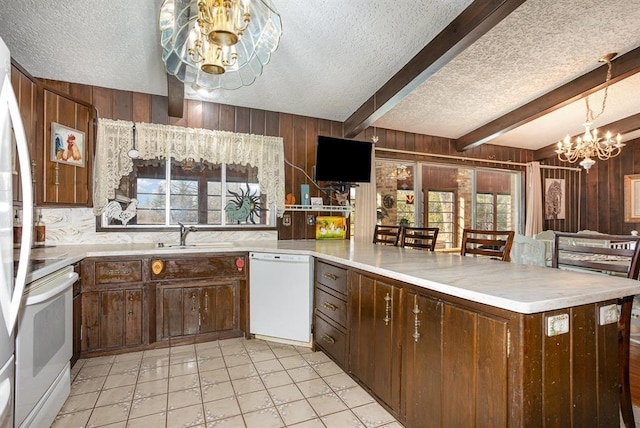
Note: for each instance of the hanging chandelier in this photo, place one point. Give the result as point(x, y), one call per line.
point(591, 145)
point(218, 44)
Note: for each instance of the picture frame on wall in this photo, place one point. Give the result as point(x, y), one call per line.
point(632, 198)
point(67, 145)
point(554, 199)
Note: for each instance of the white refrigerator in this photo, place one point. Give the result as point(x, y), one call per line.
point(13, 154)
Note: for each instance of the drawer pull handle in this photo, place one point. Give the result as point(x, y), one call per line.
point(328, 339)
point(329, 306)
point(130, 313)
point(416, 322)
point(119, 271)
point(193, 302)
point(206, 301)
point(387, 309)
point(330, 276)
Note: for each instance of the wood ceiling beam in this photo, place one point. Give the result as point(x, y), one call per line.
point(622, 126)
point(476, 20)
point(623, 67)
point(176, 96)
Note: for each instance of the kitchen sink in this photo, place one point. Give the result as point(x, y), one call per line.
point(200, 245)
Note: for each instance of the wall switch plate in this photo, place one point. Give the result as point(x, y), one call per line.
point(557, 324)
point(286, 220)
point(608, 314)
point(311, 219)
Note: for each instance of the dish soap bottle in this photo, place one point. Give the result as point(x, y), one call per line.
point(40, 231)
point(17, 231)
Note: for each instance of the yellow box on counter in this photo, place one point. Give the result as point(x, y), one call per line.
point(331, 227)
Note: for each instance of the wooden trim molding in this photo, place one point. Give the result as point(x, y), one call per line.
point(176, 96)
point(623, 67)
point(476, 20)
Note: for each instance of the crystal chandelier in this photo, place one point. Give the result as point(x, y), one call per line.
point(590, 145)
point(218, 44)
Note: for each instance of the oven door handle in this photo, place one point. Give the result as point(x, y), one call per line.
point(56, 287)
point(9, 109)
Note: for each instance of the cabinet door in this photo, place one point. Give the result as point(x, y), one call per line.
point(133, 320)
point(90, 321)
point(217, 308)
point(374, 355)
point(474, 369)
point(190, 310)
point(422, 365)
point(171, 312)
point(111, 318)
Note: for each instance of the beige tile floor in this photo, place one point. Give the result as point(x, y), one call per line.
point(227, 383)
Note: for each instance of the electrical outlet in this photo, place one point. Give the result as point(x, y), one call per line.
point(286, 220)
point(311, 219)
point(557, 324)
point(608, 314)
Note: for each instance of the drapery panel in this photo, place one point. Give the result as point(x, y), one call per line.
point(153, 141)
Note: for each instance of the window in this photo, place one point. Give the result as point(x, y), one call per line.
point(191, 192)
point(395, 193)
point(441, 214)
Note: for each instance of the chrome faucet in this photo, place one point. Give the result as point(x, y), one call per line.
point(184, 231)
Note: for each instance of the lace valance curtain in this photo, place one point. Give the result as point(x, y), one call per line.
point(153, 141)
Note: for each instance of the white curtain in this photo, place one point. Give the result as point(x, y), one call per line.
point(365, 220)
point(153, 141)
point(534, 223)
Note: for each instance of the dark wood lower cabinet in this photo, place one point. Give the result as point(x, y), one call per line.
point(112, 319)
point(132, 302)
point(437, 360)
point(375, 309)
point(196, 308)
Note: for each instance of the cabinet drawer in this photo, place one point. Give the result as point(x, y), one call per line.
point(198, 267)
point(116, 272)
point(332, 277)
point(331, 340)
point(332, 307)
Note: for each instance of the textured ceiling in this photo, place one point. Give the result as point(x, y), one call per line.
point(334, 55)
point(540, 46)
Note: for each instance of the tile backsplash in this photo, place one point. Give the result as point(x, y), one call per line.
point(68, 226)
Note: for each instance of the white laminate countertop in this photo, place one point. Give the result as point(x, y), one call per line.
point(518, 288)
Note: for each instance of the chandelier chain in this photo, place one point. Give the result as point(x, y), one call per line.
point(590, 116)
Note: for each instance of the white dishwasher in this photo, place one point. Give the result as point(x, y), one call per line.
point(281, 297)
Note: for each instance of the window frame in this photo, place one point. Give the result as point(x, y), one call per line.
point(173, 170)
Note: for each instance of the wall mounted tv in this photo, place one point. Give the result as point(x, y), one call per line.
point(340, 160)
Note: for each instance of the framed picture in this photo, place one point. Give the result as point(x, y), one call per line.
point(632, 198)
point(67, 145)
point(331, 227)
point(554, 199)
point(316, 201)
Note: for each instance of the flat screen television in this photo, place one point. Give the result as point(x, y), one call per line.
point(340, 160)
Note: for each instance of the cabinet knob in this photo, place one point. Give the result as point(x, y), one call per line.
point(330, 276)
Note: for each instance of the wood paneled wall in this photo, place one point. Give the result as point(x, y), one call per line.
point(298, 132)
point(595, 200)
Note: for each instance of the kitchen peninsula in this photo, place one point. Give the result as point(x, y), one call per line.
point(466, 341)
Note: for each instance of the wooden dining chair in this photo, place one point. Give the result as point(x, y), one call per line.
point(386, 234)
point(584, 252)
point(423, 238)
point(493, 243)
